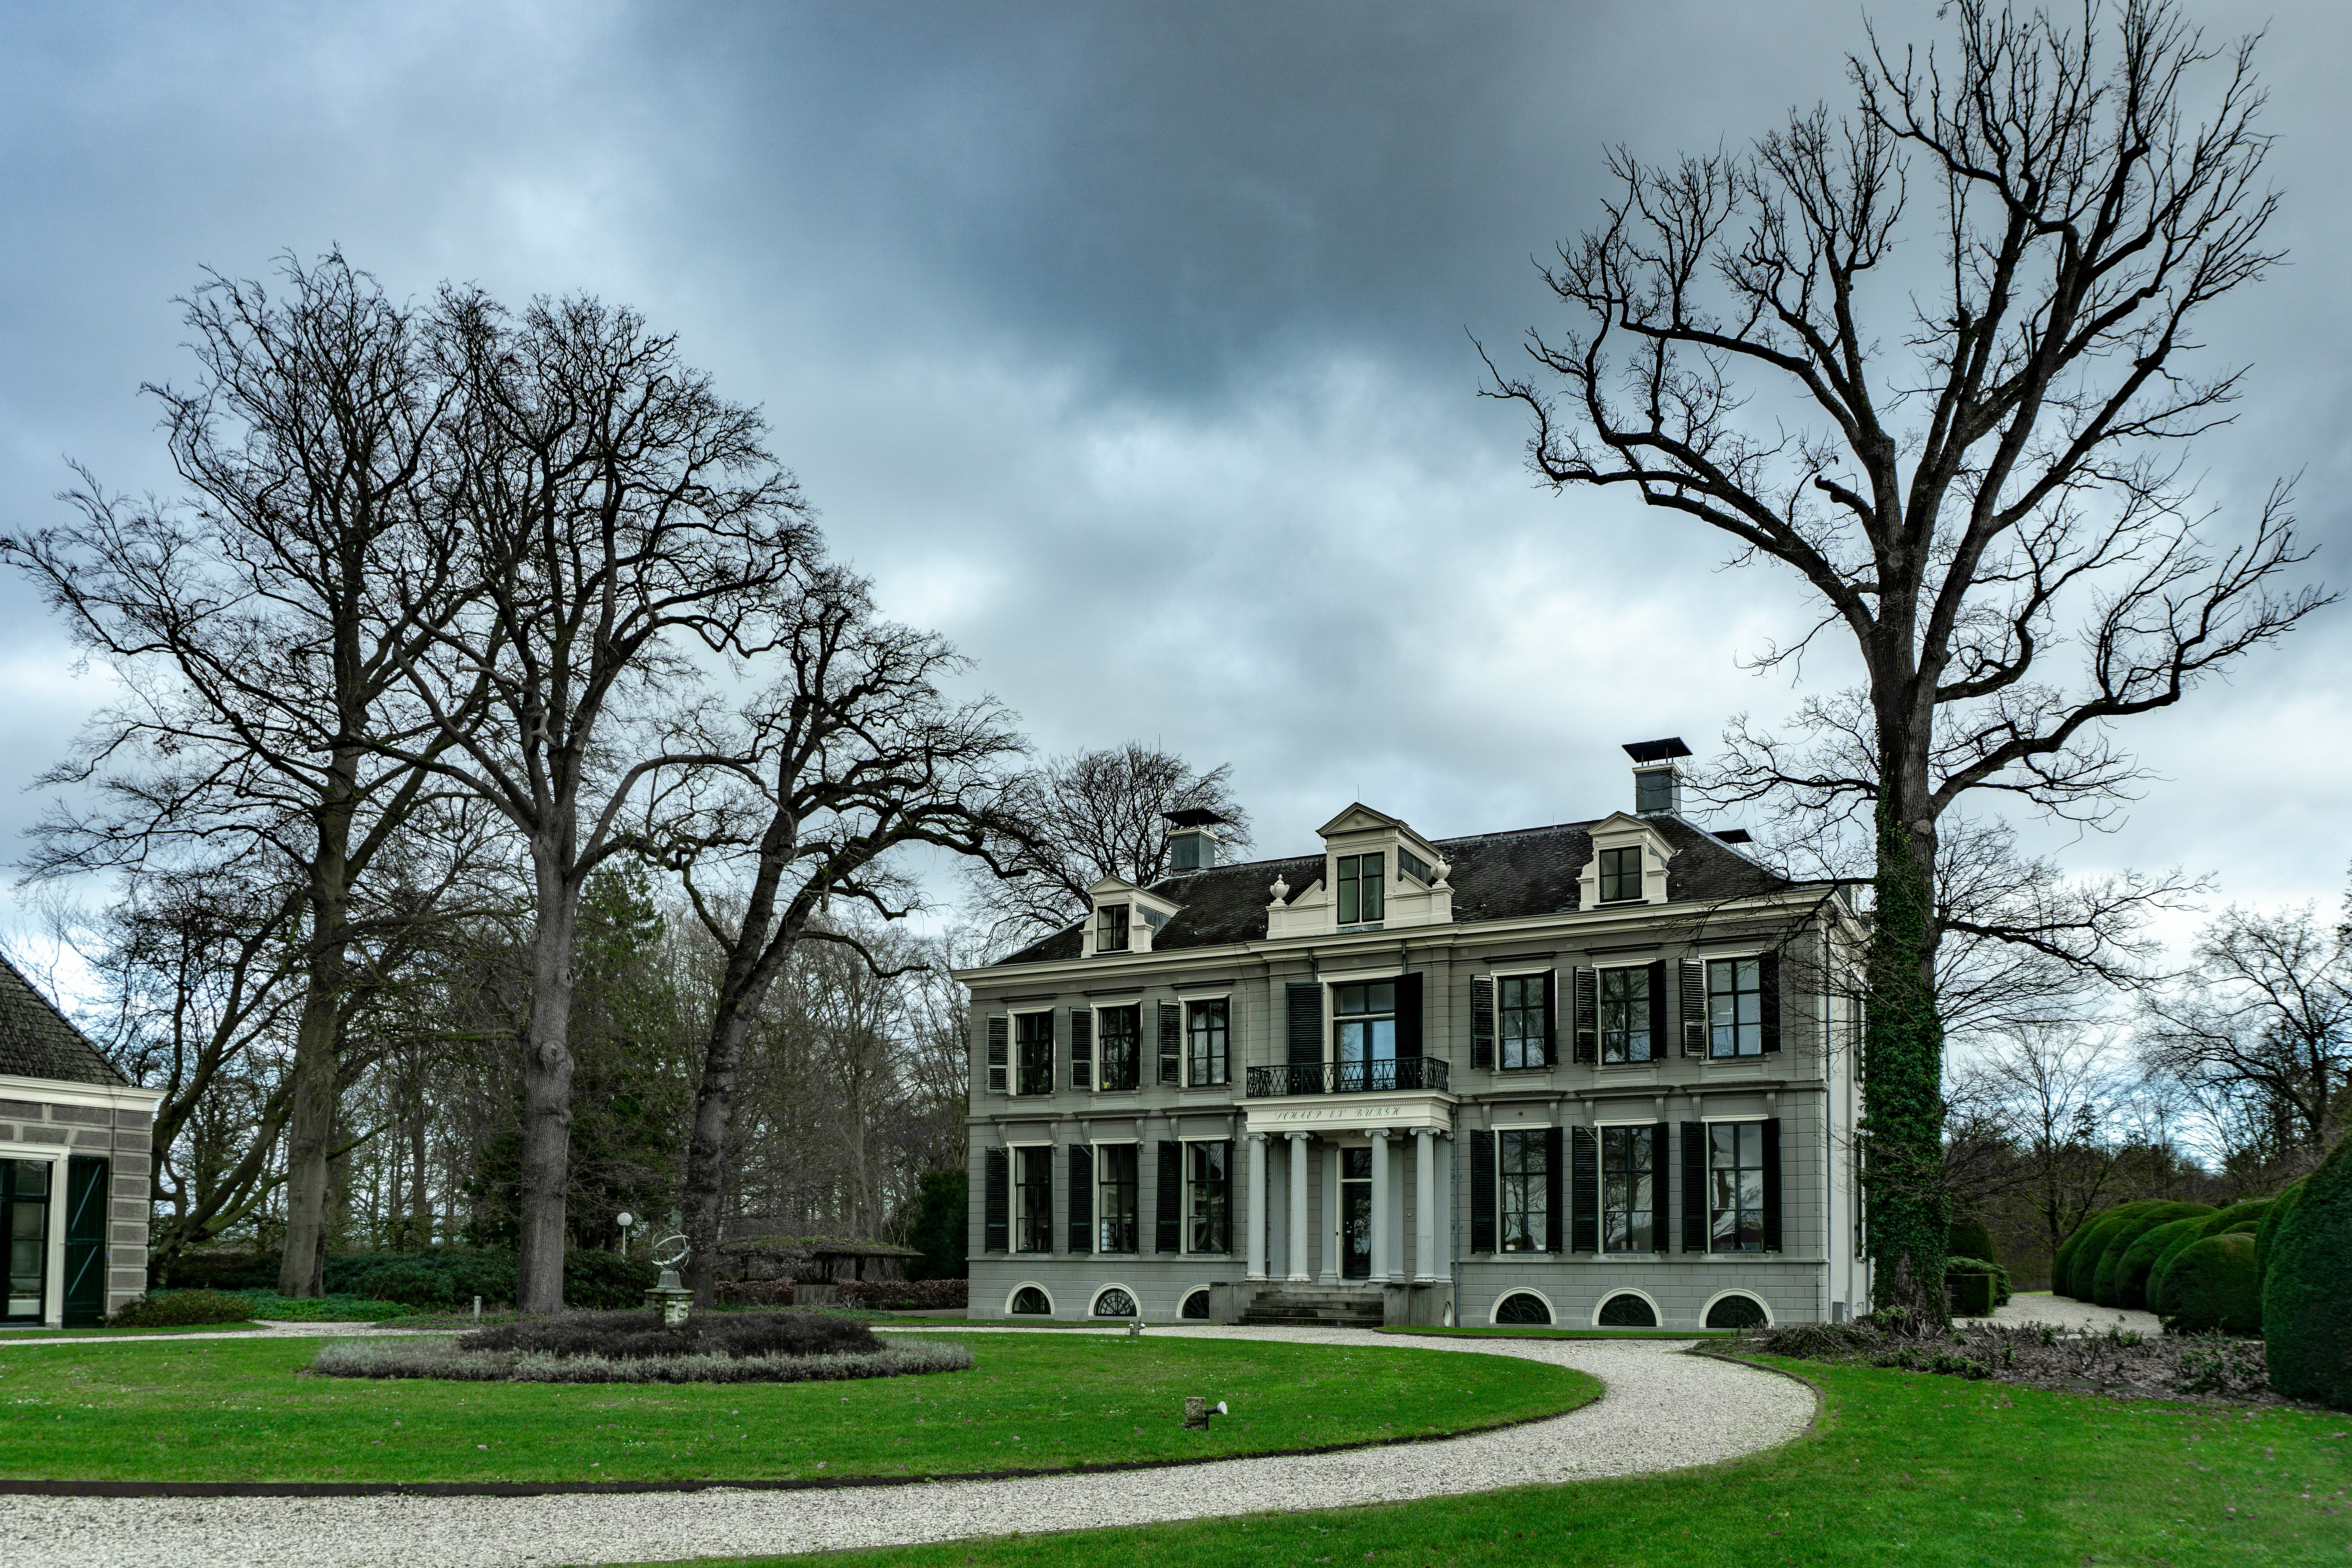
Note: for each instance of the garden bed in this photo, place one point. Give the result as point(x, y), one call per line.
point(638, 1347)
point(2114, 1361)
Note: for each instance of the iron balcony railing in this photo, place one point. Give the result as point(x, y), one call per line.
point(1348, 1077)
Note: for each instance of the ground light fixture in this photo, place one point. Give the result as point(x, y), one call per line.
point(1197, 1411)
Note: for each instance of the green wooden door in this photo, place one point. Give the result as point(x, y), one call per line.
point(85, 1206)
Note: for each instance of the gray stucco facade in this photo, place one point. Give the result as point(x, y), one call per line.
point(1479, 1158)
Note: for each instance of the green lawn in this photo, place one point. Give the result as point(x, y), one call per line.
point(35, 1336)
point(1904, 1469)
point(1508, 1332)
point(228, 1410)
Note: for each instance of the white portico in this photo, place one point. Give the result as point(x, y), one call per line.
point(1366, 1143)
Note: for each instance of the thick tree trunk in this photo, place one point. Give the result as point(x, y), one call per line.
point(702, 1201)
point(546, 1100)
point(1902, 1053)
point(318, 1069)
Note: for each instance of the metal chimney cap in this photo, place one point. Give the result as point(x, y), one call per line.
point(1658, 750)
point(1193, 816)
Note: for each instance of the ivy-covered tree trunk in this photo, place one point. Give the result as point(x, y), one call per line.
point(1908, 1214)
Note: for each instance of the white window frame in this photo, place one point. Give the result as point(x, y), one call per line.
point(1566, 1132)
point(1094, 1151)
point(54, 1155)
point(1657, 1313)
point(1037, 1285)
point(1551, 991)
point(1012, 1196)
point(1762, 1305)
point(1600, 1171)
point(1184, 1193)
point(1600, 1028)
point(1508, 1291)
point(1710, 1124)
point(1094, 1300)
point(1095, 1010)
point(1012, 1053)
point(1184, 1033)
point(1706, 958)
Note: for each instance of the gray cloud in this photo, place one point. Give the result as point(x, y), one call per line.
point(1127, 346)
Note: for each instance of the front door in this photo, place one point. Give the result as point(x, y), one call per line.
point(24, 1226)
point(1356, 1212)
point(86, 1206)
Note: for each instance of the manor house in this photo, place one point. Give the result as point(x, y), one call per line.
point(1601, 1073)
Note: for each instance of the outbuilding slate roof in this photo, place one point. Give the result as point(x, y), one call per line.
point(37, 1041)
point(1494, 877)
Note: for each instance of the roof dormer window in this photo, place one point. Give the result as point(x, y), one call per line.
point(1110, 929)
point(1412, 865)
point(1621, 874)
point(1361, 884)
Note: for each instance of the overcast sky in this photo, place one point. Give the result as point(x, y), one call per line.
point(1129, 346)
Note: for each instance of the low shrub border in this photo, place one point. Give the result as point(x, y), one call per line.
point(447, 1361)
point(183, 1310)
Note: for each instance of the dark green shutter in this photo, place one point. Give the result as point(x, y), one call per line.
point(1168, 1220)
point(996, 1203)
point(86, 1216)
point(1587, 1190)
point(1555, 1233)
point(1661, 1044)
point(1768, 976)
point(1482, 1191)
point(1482, 1021)
point(1588, 1015)
point(1046, 1195)
point(1082, 1047)
point(1694, 1186)
point(1772, 1185)
point(1305, 1000)
point(1661, 1166)
point(1694, 1008)
point(1082, 1198)
point(1551, 1017)
point(1000, 1052)
point(1408, 1018)
point(1171, 1043)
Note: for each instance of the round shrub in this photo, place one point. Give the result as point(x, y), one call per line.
point(2309, 1287)
point(2273, 1217)
point(2061, 1266)
point(2105, 1285)
point(1970, 1238)
point(2213, 1289)
point(182, 1309)
point(2143, 1265)
point(2159, 1274)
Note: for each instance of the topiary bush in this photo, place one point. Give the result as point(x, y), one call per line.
point(1993, 1271)
point(2143, 1265)
point(182, 1309)
point(1968, 1238)
point(2308, 1286)
point(442, 1276)
point(2106, 1279)
point(2274, 1216)
point(2212, 1288)
point(2159, 1274)
point(939, 1229)
point(2063, 1267)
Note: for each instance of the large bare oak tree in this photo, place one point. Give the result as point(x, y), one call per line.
point(1969, 448)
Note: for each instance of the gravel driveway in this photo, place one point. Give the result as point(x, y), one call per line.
point(1661, 1410)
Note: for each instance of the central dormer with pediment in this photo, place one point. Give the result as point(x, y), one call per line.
point(1378, 875)
point(1122, 918)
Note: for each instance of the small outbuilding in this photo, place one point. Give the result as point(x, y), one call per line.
point(76, 1142)
point(812, 1260)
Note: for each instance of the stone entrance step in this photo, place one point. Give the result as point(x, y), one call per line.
point(1296, 1306)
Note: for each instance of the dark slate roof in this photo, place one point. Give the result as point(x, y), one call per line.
point(36, 1040)
point(1495, 876)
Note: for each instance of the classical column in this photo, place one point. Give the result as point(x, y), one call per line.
point(1424, 1196)
point(1334, 1245)
point(1383, 1250)
point(1298, 1221)
point(1256, 1205)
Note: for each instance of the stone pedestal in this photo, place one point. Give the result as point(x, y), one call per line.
point(670, 1298)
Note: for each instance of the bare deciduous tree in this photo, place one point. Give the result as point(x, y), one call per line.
point(615, 520)
point(1095, 814)
point(1967, 465)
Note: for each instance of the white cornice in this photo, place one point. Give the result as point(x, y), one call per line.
point(58, 1093)
point(1582, 923)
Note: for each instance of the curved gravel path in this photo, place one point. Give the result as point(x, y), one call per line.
point(1659, 1410)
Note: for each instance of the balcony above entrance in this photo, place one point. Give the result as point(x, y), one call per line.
point(1348, 1077)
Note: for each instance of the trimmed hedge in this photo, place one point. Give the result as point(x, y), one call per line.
point(2236, 1215)
point(2158, 1248)
point(2281, 1207)
point(634, 1336)
point(2071, 1250)
point(442, 1358)
point(1968, 1238)
point(2106, 1285)
point(440, 1278)
point(2000, 1290)
point(2308, 1287)
point(2213, 1287)
point(182, 1309)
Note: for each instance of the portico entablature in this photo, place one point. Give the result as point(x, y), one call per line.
point(1333, 1115)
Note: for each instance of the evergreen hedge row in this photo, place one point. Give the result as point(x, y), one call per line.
point(2307, 1289)
point(2213, 1287)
